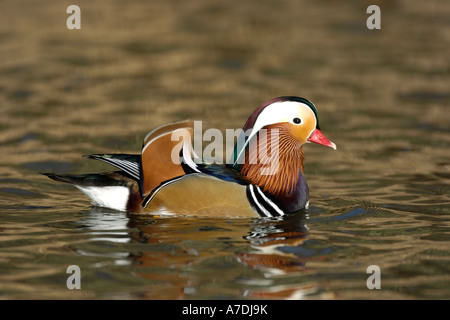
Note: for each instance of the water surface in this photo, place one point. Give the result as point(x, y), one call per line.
point(381, 199)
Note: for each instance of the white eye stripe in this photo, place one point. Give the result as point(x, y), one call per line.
point(277, 113)
point(287, 112)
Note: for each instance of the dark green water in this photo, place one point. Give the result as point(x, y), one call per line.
point(381, 199)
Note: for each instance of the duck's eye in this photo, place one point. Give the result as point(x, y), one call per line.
point(297, 120)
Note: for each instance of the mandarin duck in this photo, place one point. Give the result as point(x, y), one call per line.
point(248, 185)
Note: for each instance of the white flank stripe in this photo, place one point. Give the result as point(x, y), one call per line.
point(155, 191)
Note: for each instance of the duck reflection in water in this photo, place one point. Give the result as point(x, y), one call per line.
point(181, 255)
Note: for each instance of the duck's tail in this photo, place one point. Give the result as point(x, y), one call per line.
point(111, 190)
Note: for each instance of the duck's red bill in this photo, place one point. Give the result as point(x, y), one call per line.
point(318, 137)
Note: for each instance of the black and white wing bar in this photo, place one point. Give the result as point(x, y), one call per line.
point(130, 164)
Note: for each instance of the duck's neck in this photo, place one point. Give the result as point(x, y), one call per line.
point(273, 161)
